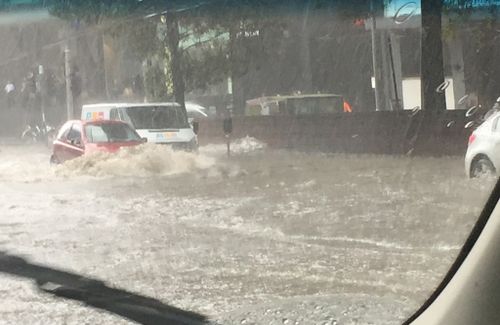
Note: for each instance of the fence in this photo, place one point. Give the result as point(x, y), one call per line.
point(363, 132)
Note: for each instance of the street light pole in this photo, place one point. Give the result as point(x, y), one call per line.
point(375, 53)
point(41, 85)
point(69, 93)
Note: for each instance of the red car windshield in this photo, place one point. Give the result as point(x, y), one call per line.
point(99, 133)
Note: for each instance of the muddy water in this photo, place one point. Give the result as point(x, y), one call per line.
point(265, 237)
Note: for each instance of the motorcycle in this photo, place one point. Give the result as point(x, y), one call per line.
point(39, 134)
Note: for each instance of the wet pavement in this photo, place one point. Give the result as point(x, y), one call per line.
point(265, 237)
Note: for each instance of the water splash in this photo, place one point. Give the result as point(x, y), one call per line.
point(141, 161)
point(246, 145)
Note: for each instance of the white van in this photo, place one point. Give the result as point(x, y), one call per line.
point(162, 123)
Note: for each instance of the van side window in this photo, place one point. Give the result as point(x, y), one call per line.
point(113, 115)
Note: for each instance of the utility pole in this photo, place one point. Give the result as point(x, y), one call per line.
point(395, 80)
point(375, 60)
point(41, 92)
point(69, 93)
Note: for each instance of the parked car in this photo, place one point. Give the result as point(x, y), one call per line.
point(483, 152)
point(77, 138)
point(162, 123)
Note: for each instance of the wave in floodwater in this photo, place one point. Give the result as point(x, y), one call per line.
point(140, 161)
point(247, 144)
point(152, 160)
point(30, 164)
point(238, 146)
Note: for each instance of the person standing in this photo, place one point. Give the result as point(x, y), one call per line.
point(32, 106)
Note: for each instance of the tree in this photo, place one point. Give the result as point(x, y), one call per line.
point(484, 67)
point(92, 13)
point(153, 32)
point(246, 26)
point(477, 23)
point(432, 67)
point(175, 57)
point(115, 13)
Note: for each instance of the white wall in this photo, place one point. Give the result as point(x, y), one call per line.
point(411, 93)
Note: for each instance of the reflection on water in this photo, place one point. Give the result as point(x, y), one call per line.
point(264, 237)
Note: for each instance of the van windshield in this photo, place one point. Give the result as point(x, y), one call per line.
point(156, 117)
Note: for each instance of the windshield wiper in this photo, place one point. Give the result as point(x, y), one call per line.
point(97, 294)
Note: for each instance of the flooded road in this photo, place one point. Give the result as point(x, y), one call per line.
point(265, 237)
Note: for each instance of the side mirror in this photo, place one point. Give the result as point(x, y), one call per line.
point(144, 140)
point(228, 125)
point(196, 127)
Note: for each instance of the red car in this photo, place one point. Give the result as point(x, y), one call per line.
point(76, 138)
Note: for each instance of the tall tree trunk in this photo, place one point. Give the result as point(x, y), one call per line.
point(175, 57)
point(424, 131)
point(305, 52)
point(100, 80)
point(485, 67)
point(431, 66)
point(237, 91)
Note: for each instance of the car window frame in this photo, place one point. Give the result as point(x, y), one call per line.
point(471, 240)
point(75, 125)
point(63, 132)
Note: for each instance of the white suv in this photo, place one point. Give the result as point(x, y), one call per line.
point(483, 152)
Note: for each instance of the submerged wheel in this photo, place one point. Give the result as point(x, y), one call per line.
point(482, 167)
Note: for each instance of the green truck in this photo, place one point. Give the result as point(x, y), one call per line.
point(306, 104)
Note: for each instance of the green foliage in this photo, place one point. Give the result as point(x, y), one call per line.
point(140, 37)
point(205, 65)
point(155, 80)
point(224, 36)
